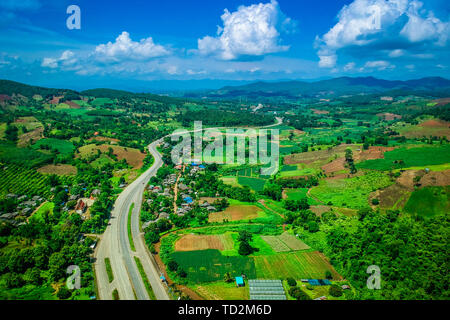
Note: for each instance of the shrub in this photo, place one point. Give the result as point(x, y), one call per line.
point(182, 273)
point(291, 282)
point(328, 275)
point(172, 265)
point(335, 290)
point(375, 202)
point(63, 293)
point(298, 294)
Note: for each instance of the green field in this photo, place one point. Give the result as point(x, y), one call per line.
point(298, 265)
point(81, 103)
point(351, 192)
point(222, 291)
point(26, 157)
point(64, 147)
point(15, 179)
point(45, 207)
point(101, 101)
point(256, 184)
point(413, 157)
point(210, 265)
point(429, 201)
point(300, 193)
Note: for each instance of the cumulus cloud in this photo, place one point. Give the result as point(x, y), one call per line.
point(124, 48)
point(374, 22)
point(66, 59)
point(250, 31)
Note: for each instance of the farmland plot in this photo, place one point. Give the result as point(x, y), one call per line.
point(298, 265)
point(191, 242)
point(275, 243)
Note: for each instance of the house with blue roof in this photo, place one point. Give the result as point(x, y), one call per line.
point(188, 200)
point(240, 281)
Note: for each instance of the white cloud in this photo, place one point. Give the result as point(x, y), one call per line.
point(124, 48)
point(251, 30)
point(349, 66)
point(396, 53)
point(379, 65)
point(66, 59)
point(365, 22)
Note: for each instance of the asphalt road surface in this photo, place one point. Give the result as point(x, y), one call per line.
point(114, 244)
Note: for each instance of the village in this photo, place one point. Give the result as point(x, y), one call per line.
point(175, 194)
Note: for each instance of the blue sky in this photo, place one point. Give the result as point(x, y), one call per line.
point(203, 43)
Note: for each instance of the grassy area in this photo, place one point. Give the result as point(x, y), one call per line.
point(300, 193)
point(351, 192)
point(46, 207)
point(130, 234)
point(413, 157)
point(101, 101)
point(429, 201)
point(299, 265)
point(26, 157)
point(109, 270)
point(147, 285)
point(210, 265)
point(255, 184)
point(221, 291)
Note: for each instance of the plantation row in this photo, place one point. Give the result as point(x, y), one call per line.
point(15, 179)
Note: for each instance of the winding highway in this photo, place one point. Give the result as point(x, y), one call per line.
point(115, 245)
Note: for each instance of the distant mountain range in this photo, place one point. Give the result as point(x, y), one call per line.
point(334, 87)
point(290, 90)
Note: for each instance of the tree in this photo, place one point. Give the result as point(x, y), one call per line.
point(245, 248)
point(228, 278)
point(313, 226)
point(350, 161)
point(328, 275)
point(274, 191)
point(291, 282)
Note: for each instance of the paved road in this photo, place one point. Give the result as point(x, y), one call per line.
point(114, 244)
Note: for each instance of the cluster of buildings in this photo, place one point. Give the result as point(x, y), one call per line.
point(25, 207)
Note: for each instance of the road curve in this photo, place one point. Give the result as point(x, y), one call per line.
point(115, 245)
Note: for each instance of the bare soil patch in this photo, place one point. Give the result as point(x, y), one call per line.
point(73, 105)
point(103, 139)
point(310, 157)
point(235, 213)
point(320, 209)
point(191, 242)
point(372, 153)
point(334, 166)
point(434, 124)
point(59, 169)
point(316, 111)
point(389, 116)
point(35, 135)
point(133, 156)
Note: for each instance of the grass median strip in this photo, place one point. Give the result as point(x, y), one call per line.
point(147, 285)
point(109, 270)
point(115, 295)
point(130, 235)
